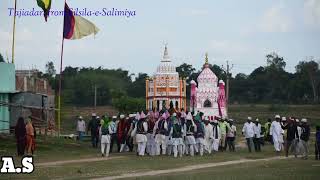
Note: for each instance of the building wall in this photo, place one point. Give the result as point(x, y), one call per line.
point(7, 85)
point(4, 114)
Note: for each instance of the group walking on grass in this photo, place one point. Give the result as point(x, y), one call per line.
point(181, 133)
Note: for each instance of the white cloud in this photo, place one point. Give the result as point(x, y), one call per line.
point(194, 12)
point(312, 12)
point(275, 20)
point(225, 47)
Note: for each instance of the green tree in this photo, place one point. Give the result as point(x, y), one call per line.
point(185, 70)
point(310, 71)
point(274, 61)
point(1, 58)
point(50, 70)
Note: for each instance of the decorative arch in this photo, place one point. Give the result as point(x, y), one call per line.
point(207, 103)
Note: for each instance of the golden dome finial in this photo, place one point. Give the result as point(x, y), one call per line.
point(206, 59)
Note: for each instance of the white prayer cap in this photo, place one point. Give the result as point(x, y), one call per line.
point(98, 117)
point(80, 117)
point(206, 118)
point(215, 121)
point(189, 116)
point(284, 119)
point(114, 117)
point(174, 114)
point(131, 115)
point(277, 116)
point(257, 120)
point(122, 116)
point(249, 118)
point(93, 114)
point(304, 120)
point(231, 120)
point(297, 120)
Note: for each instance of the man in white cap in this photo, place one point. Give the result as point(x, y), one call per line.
point(176, 134)
point(231, 136)
point(151, 143)
point(93, 126)
point(276, 132)
point(190, 129)
point(257, 133)
point(122, 132)
point(113, 134)
point(159, 131)
point(305, 135)
point(248, 132)
point(208, 135)
point(81, 127)
point(216, 135)
point(141, 130)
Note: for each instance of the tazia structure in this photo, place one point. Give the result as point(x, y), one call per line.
point(209, 96)
point(165, 88)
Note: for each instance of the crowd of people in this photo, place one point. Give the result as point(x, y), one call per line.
point(185, 133)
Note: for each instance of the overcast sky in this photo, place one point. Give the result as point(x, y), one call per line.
point(242, 32)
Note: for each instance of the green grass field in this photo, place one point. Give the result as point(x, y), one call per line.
point(54, 149)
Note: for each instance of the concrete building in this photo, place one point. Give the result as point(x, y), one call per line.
point(7, 87)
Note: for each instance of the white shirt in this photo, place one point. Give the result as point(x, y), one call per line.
point(113, 127)
point(248, 130)
point(81, 126)
point(257, 130)
point(208, 131)
point(299, 129)
point(232, 130)
point(275, 129)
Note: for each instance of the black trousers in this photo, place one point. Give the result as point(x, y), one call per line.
point(94, 140)
point(257, 144)
point(129, 143)
point(288, 144)
point(230, 142)
point(317, 150)
point(114, 139)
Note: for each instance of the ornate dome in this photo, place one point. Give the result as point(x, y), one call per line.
point(166, 67)
point(207, 76)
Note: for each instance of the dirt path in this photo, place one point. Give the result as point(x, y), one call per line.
point(58, 163)
point(187, 168)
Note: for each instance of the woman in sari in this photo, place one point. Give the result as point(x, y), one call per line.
point(20, 133)
point(30, 137)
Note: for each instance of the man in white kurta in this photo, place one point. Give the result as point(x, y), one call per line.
point(276, 132)
point(159, 131)
point(190, 129)
point(216, 136)
point(208, 136)
point(104, 132)
point(248, 132)
point(141, 131)
point(176, 134)
point(257, 134)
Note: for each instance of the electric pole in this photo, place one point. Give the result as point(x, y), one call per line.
point(227, 71)
point(95, 96)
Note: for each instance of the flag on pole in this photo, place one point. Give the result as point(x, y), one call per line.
point(76, 27)
point(45, 6)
